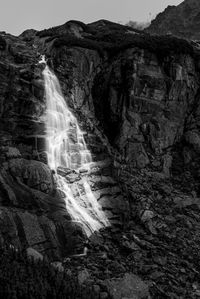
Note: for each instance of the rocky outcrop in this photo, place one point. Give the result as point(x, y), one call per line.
point(182, 21)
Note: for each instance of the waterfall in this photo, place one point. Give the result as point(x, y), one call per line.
point(66, 148)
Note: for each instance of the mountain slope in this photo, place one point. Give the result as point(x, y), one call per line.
point(182, 21)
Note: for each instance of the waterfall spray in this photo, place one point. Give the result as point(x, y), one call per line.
point(66, 148)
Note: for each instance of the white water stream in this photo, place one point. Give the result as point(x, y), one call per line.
point(66, 147)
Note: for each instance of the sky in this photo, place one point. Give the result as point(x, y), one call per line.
point(19, 15)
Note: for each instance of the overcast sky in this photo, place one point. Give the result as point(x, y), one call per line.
point(19, 15)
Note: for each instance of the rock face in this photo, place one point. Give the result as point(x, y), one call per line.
point(143, 104)
point(140, 111)
point(182, 20)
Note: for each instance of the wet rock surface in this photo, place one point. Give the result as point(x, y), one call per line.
point(140, 115)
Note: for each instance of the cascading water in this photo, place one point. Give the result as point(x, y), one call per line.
point(66, 147)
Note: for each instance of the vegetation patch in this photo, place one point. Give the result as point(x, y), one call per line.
point(112, 38)
point(22, 277)
point(113, 44)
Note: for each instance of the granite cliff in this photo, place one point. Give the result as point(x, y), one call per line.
point(137, 98)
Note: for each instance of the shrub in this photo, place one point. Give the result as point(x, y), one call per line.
point(117, 41)
point(83, 43)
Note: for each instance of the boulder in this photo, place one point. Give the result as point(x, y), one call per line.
point(129, 286)
point(34, 254)
point(58, 266)
point(83, 276)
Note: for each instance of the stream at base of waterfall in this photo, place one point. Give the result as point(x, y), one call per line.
point(66, 148)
